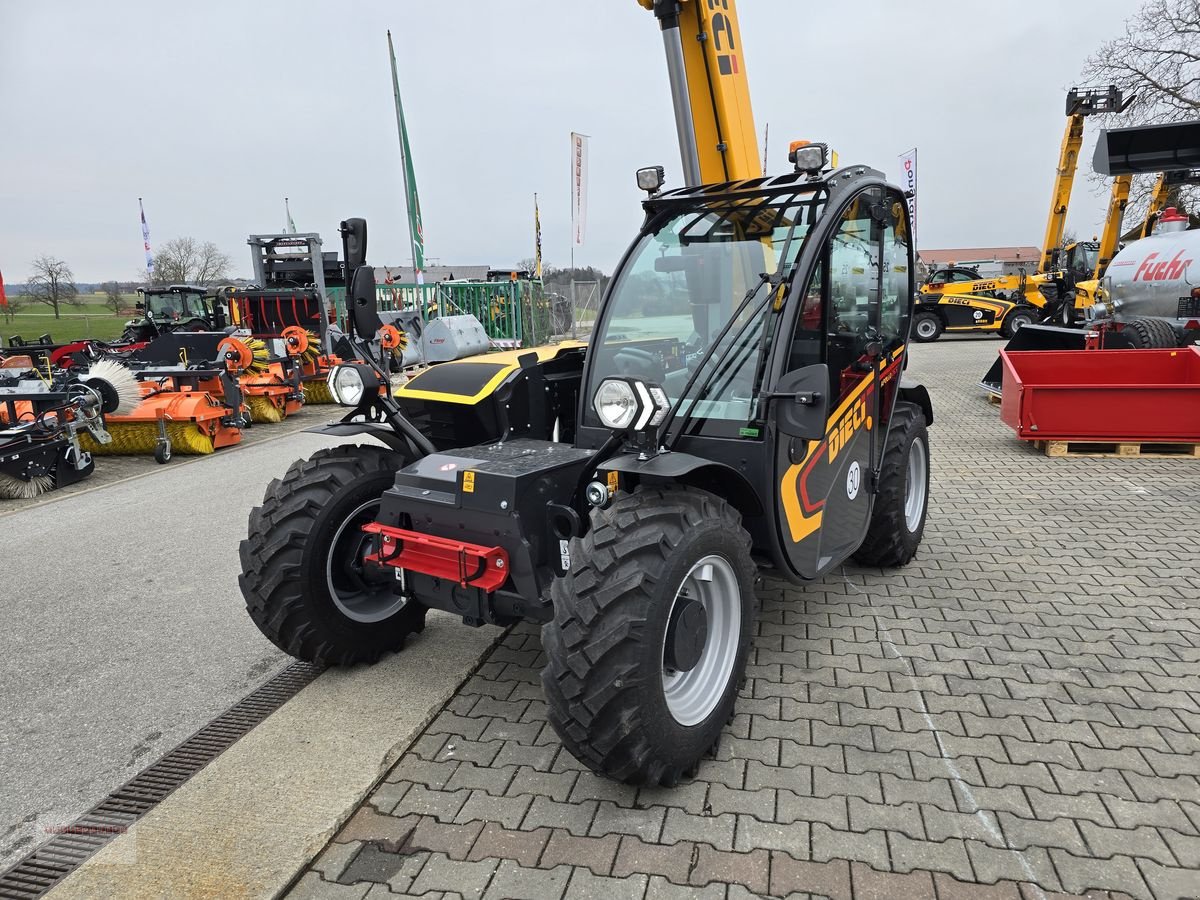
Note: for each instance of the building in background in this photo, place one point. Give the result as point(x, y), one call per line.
point(991, 262)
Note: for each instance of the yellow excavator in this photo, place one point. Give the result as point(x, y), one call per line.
point(1005, 304)
point(741, 401)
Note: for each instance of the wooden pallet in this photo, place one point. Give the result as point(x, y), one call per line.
point(994, 399)
point(1120, 449)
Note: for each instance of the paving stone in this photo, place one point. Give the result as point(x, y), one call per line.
point(1032, 864)
point(421, 801)
point(831, 810)
point(867, 816)
point(820, 879)
point(794, 778)
point(793, 839)
point(658, 888)
point(1166, 881)
point(539, 757)
point(750, 869)
point(1162, 813)
point(950, 888)
point(869, 847)
point(512, 881)
point(1020, 833)
point(334, 858)
point(1143, 842)
point(468, 879)
point(368, 825)
point(453, 840)
point(312, 887)
point(690, 797)
point(482, 753)
point(907, 855)
point(671, 862)
point(508, 811)
point(573, 817)
point(586, 886)
point(717, 831)
point(1079, 874)
point(596, 854)
point(644, 823)
point(373, 864)
point(555, 785)
point(869, 884)
point(759, 803)
point(497, 842)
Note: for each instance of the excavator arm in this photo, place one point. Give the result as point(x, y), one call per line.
point(1111, 236)
point(1080, 104)
point(709, 89)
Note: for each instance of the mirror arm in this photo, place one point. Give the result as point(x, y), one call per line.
point(804, 398)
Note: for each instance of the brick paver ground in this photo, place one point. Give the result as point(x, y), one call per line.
point(1014, 715)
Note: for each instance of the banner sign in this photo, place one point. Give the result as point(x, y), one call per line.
point(908, 184)
point(579, 175)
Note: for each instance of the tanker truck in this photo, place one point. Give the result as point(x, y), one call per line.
point(1151, 291)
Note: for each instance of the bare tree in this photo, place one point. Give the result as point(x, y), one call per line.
point(1157, 63)
point(187, 261)
point(52, 283)
point(112, 296)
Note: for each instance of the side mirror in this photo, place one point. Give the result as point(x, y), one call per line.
point(354, 242)
point(139, 305)
point(800, 402)
point(364, 306)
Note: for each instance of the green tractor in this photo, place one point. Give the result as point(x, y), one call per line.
point(740, 408)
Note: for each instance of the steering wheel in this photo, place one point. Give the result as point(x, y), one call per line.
point(639, 364)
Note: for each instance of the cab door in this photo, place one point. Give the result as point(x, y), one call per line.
point(824, 495)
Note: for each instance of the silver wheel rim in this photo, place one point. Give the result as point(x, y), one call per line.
point(692, 695)
point(914, 491)
point(926, 328)
point(377, 601)
point(1019, 322)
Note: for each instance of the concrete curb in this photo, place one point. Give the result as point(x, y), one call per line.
point(247, 824)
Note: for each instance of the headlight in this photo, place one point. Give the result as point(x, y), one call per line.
point(616, 404)
point(350, 384)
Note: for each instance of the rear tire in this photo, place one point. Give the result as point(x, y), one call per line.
point(898, 517)
point(1018, 317)
point(626, 701)
point(1151, 334)
point(302, 577)
point(927, 327)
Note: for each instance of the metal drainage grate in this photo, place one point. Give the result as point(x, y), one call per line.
point(54, 860)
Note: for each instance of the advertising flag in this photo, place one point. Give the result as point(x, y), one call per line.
point(579, 179)
point(291, 224)
point(908, 183)
point(415, 228)
point(3, 299)
point(537, 240)
point(146, 242)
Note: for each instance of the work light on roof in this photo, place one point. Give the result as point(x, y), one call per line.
point(651, 179)
point(808, 156)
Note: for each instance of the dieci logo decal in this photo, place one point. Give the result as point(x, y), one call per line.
point(847, 426)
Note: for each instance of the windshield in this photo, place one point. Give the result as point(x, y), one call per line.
point(1084, 258)
point(173, 305)
point(682, 285)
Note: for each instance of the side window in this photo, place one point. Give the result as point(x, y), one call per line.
point(854, 294)
point(897, 276)
point(808, 344)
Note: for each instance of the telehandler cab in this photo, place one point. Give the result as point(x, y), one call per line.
point(739, 406)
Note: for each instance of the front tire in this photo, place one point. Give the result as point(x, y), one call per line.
point(651, 630)
point(1018, 317)
point(898, 516)
point(303, 577)
point(927, 327)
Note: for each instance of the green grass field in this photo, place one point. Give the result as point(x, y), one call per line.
point(91, 319)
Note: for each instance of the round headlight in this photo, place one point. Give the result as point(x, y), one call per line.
point(346, 384)
point(616, 404)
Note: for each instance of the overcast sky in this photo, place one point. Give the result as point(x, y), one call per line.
point(215, 111)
